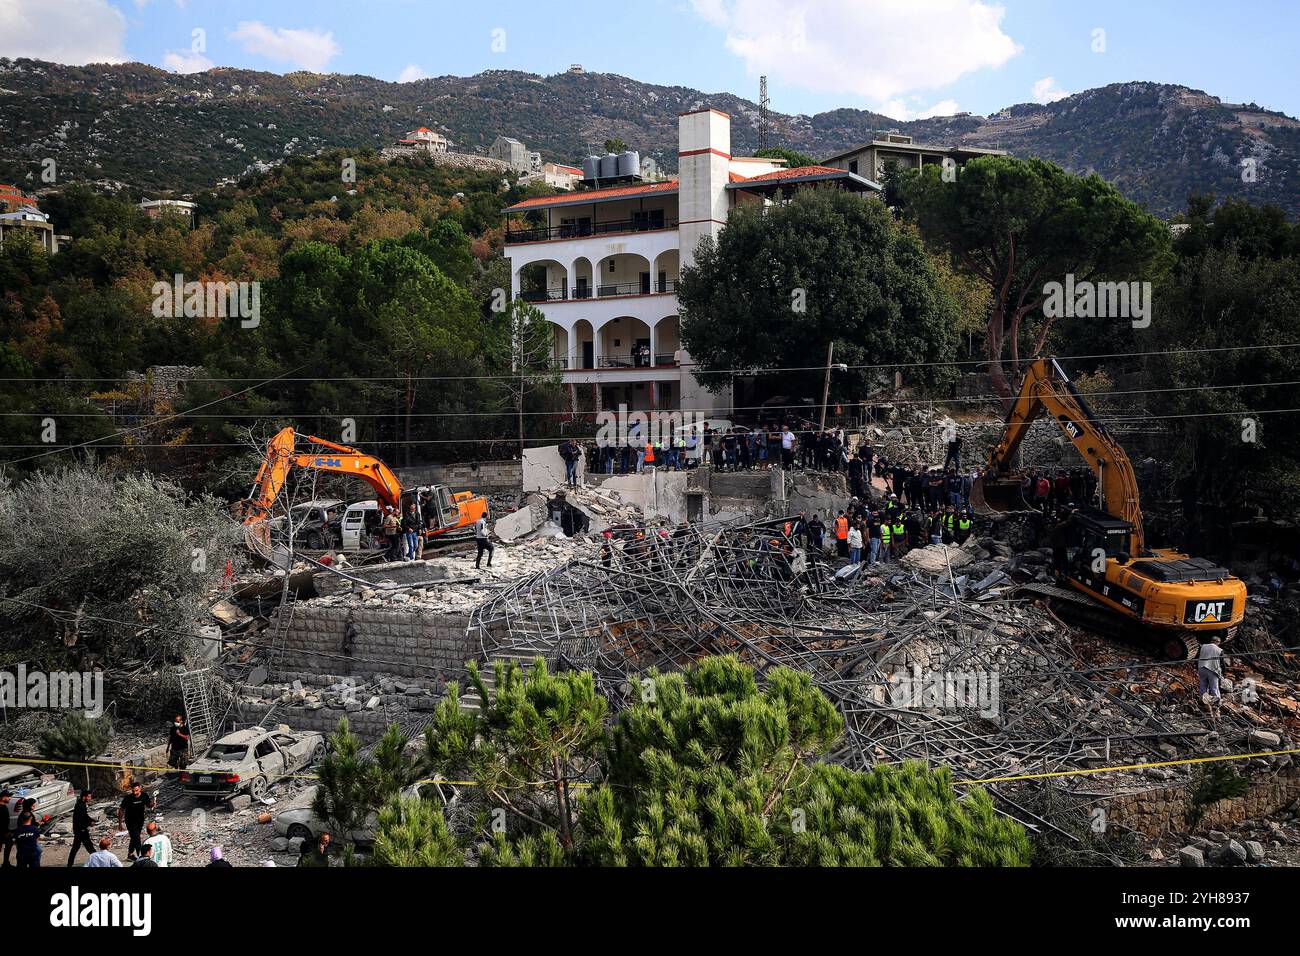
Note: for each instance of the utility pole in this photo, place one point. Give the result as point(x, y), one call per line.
point(762, 112)
point(826, 387)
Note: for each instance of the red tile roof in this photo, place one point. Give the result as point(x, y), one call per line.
point(595, 195)
point(797, 173)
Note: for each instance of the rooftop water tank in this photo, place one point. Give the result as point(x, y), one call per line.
point(609, 166)
point(629, 163)
point(591, 167)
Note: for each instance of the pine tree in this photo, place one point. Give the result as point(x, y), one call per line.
point(413, 832)
point(76, 738)
point(539, 734)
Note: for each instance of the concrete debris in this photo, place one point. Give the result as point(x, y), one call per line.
point(936, 558)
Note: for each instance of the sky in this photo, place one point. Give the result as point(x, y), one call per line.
point(905, 58)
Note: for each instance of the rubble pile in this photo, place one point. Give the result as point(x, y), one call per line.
point(910, 433)
point(922, 661)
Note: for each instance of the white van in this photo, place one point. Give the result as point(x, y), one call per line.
point(359, 529)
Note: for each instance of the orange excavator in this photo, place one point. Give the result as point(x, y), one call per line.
point(1105, 560)
point(446, 514)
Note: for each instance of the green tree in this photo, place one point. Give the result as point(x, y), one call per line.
point(521, 353)
point(711, 770)
point(413, 832)
point(534, 737)
point(793, 158)
point(782, 282)
point(76, 738)
point(1020, 224)
point(1230, 455)
point(98, 567)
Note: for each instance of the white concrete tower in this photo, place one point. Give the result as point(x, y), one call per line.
point(703, 163)
point(703, 171)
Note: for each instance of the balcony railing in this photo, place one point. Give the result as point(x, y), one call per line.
point(582, 230)
point(618, 360)
point(559, 293)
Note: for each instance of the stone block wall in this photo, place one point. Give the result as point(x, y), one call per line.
point(480, 477)
point(364, 642)
point(1168, 808)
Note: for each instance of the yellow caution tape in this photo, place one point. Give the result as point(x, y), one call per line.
point(547, 783)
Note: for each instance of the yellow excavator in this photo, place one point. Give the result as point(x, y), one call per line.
point(1166, 594)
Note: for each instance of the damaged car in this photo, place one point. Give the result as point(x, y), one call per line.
point(250, 761)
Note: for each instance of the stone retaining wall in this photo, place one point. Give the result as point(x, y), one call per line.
point(1167, 809)
point(363, 642)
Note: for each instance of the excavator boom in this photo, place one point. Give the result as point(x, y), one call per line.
point(282, 457)
point(1102, 551)
point(1046, 388)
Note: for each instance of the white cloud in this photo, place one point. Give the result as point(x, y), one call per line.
point(306, 49)
point(411, 73)
point(1047, 90)
point(65, 31)
point(184, 62)
point(875, 49)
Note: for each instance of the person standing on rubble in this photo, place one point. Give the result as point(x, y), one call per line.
point(855, 544)
point(816, 533)
point(392, 532)
point(886, 539)
point(874, 535)
point(411, 528)
point(954, 452)
point(1209, 671)
point(842, 535)
point(482, 541)
point(178, 743)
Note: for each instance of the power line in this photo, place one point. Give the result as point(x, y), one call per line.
point(514, 439)
point(966, 399)
point(128, 431)
point(745, 370)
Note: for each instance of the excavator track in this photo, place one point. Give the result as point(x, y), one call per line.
point(1074, 608)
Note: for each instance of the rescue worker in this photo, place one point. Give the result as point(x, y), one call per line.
point(898, 535)
point(949, 525)
point(886, 540)
point(965, 525)
point(842, 535)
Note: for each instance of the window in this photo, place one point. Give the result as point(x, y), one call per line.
point(853, 167)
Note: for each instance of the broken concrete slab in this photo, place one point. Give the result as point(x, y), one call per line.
point(513, 526)
point(936, 558)
point(544, 469)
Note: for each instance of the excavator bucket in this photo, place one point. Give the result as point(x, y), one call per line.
point(997, 495)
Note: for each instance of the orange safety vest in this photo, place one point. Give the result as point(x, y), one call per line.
point(841, 528)
point(649, 452)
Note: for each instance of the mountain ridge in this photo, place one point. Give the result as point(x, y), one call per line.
point(157, 130)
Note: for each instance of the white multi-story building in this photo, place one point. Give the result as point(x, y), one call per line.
point(603, 264)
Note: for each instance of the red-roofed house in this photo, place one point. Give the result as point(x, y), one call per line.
point(603, 265)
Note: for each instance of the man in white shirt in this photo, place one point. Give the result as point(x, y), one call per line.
point(483, 541)
point(104, 855)
point(161, 843)
point(1209, 671)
